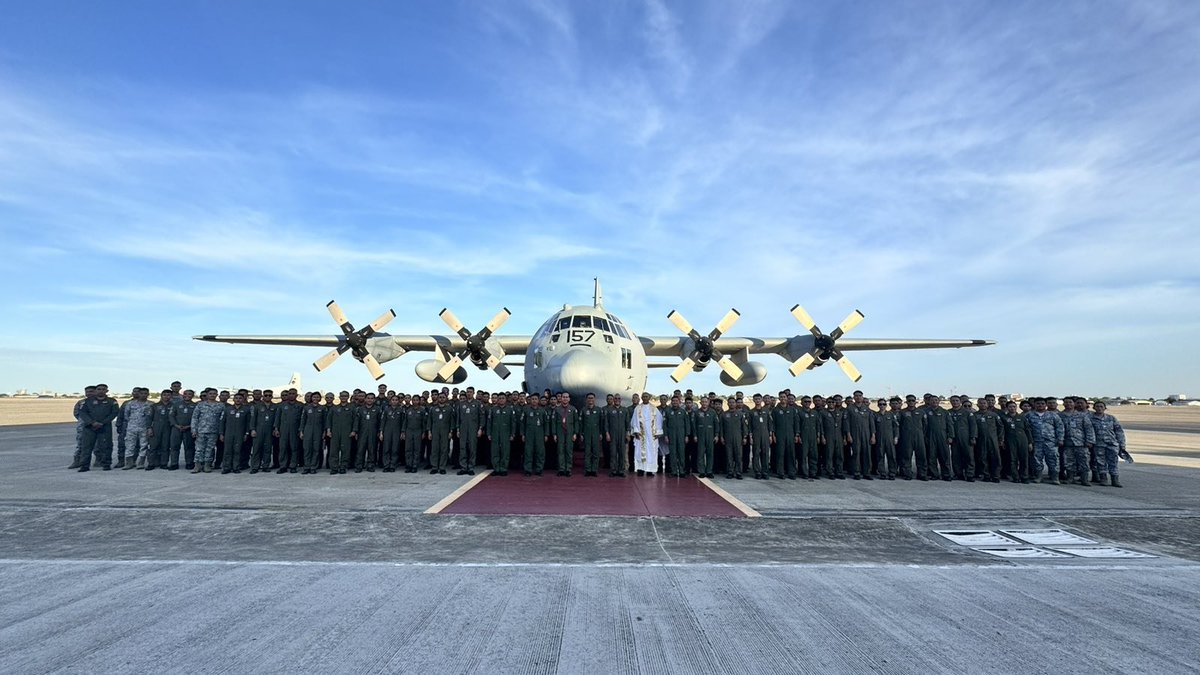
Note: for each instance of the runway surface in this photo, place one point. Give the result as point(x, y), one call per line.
point(163, 571)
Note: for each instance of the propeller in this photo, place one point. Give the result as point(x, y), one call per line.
point(356, 340)
point(476, 349)
point(825, 346)
point(704, 348)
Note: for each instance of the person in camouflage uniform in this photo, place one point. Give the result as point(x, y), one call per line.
point(208, 420)
point(1048, 436)
point(1078, 438)
point(1110, 443)
point(138, 417)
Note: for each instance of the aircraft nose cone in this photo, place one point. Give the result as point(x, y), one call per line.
point(581, 371)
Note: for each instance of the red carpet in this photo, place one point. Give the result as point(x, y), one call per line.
point(551, 495)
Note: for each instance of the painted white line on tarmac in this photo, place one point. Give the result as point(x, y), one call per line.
point(734, 501)
point(449, 499)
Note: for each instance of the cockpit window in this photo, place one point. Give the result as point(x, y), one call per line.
point(564, 323)
point(582, 321)
point(621, 330)
point(602, 324)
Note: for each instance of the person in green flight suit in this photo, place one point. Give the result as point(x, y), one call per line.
point(312, 432)
point(393, 433)
point(733, 436)
point(808, 430)
point(616, 434)
point(416, 430)
point(677, 426)
point(564, 430)
point(501, 427)
point(858, 426)
point(784, 418)
point(97, 415)
point(533, 425)
point(368, 434)
point(468, 428)
point(591, 424)
point(237, 430)
point(441, 423)
point(761, 435)
point(287, 428)
point(706, 425)
point(341, 426)
point(262, 426)
point(938, 443)
point(159, 432)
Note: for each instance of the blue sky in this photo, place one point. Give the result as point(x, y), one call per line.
point(1025, 172)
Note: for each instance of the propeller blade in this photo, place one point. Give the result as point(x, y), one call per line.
point(327, 360)
point(454, 324)
point(383, 320)
point(680, 323)
point(731, 369)
point(847, 324)
point(726, 323)
point(847, 367)
point(373, 366)
point(339, 317)
point(801, 364)
point(447, 371)
point(805, 320)
point(682, 370)
point(496, 322)
point(502, 371)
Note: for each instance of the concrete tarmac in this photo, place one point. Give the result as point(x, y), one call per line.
point(134, 571)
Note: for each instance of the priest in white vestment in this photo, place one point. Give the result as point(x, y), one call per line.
point(645, 425)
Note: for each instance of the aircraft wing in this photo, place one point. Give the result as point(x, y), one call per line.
point(511, 344)
point(674, 345)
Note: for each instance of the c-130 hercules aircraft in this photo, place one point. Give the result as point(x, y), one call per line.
point(583, 350)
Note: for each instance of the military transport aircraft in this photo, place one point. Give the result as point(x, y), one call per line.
point(588, 349)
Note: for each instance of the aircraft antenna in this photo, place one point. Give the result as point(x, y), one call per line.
point(598, 297)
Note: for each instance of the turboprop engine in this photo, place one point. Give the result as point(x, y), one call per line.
point(429, 368)
point(753, 372)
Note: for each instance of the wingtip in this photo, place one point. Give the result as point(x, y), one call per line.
point(206, 338)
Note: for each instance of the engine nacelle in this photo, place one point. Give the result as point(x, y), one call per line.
point(753, 372)
point(428, 369)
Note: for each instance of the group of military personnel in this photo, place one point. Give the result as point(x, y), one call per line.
point(786, 436)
